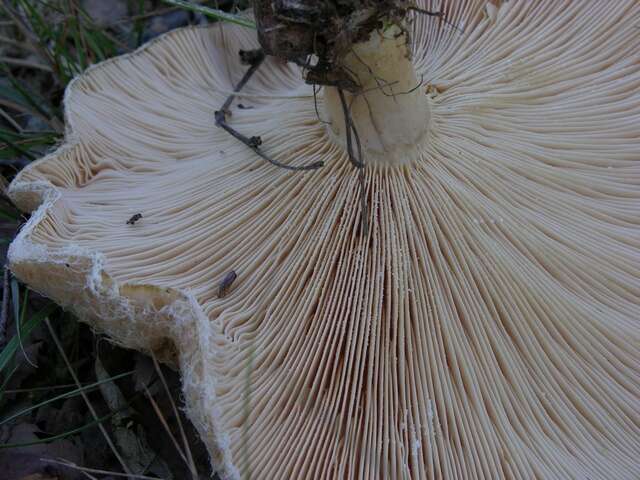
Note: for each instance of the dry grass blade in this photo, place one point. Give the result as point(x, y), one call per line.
point(88, 475)
point(11, 121)
point(166, 427)
point(17, 44)
point(19, 62)
point(66, 463)
point(187, 450)
point(85, 398)
point(70, 394)
point(27, 31)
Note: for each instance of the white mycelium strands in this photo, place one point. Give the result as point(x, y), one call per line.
point(487, 327)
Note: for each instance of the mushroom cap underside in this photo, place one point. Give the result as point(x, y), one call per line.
point(487, 325)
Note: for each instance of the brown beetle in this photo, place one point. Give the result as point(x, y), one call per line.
point(226, 283)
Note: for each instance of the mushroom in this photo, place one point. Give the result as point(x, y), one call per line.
point(486, 326)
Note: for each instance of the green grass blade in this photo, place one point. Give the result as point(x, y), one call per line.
point(72, 393)
point(30, 144)
point(6, 381)
point(139, 24)
point(93, 40)
point(60, 436)
point(6, 216)
point(77, 34)
point(12, 346)
point(17, 148)
point(213, 12)
point(36, 102)
point(15, 301)
point(20, 314)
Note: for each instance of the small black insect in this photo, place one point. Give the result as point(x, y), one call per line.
point(226, 283)
point(134, 219)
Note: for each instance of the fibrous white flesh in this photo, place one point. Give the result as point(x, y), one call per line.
point(390, 112)
point(486, 328)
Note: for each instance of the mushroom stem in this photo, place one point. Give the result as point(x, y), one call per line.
point(390, 112)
